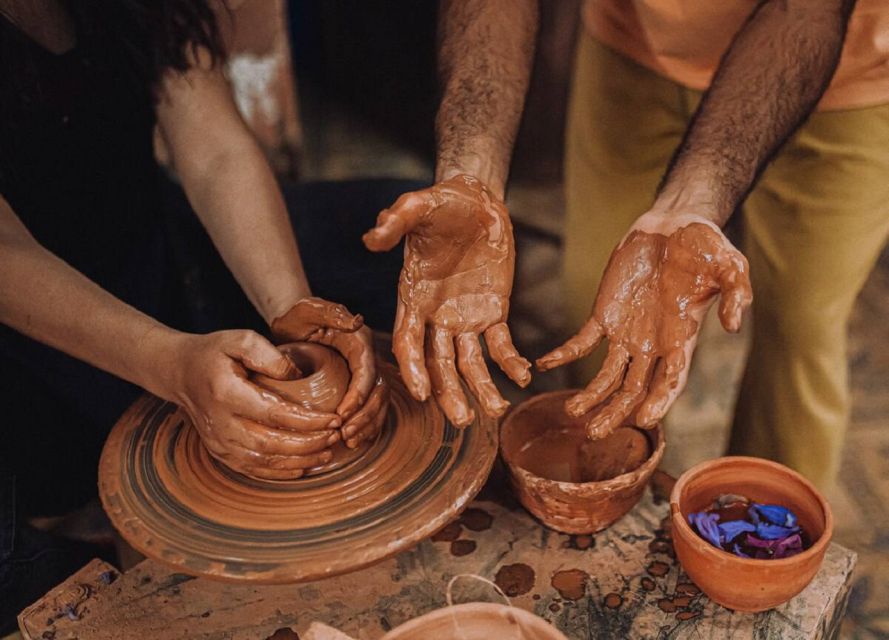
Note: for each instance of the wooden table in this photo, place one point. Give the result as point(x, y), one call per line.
point(622, 583)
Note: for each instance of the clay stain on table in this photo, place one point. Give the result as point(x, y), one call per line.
point(570, 583)
point(476, 519)
point(462, 547)
point(515, 579)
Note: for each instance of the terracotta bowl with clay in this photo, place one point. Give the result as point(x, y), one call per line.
point(569, 482)
point(320, 385)
point(477, 621)
point(746, 584)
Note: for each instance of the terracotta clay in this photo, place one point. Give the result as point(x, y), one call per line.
point(654, 293)
point(330, 324)
point(570, 483)
point(175, 503)
point(319, 383)
point(458, 268)
point(744, 584)
point(477, 621)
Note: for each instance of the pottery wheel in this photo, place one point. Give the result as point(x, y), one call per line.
point(173, 502)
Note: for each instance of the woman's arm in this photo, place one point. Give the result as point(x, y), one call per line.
point(46, 299)
point(235, 195)
point(231, 187)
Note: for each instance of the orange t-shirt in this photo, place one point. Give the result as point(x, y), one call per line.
point(685, 39)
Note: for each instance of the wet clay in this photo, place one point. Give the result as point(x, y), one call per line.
point(319, 382)
point(326, 323)
point(459, 258)
point(515, 579)
point(570, 483)
point(652, 298)
point(754, 585)
point(571, 583)
point(566, 454)
point(175, 503)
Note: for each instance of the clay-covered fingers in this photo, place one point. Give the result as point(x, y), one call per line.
point(507, 357)
point(245, 399)
point(471, 363)
point(625, 400)
point(396, 221)
point(357, 349)
point(257, 354)
point(271, 467)
point(663, 390)
point(446, 386)
point(736, 291)
point(368, 420)
point(266, 440)
point(311, 317)
point(606, 382)
point(408, 347)
point(576, 347)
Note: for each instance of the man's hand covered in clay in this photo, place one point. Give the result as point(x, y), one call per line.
point(455, 284)
point(657, 287)
point(363, 407)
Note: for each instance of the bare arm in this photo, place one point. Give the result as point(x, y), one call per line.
point(485, 54)
point(768, 82)
point(675, 261)
point(44, 298)
point(459, 252)
point(231, 187)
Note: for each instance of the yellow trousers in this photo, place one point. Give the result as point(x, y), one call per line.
point(813, 230)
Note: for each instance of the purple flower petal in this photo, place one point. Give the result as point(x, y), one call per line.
point(775, 514)
point(705, 523)
point(732, 529)
point(738, 552)
point(788, 547)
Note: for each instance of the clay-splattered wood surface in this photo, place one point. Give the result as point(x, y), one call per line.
point(622, 583)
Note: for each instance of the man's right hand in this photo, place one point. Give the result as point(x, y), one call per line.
point(250, 429)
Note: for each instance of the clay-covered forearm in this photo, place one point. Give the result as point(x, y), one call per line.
point(768, 82)
point(485, 55)
point(47, 300)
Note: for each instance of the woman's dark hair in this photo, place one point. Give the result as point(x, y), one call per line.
point(153, 35)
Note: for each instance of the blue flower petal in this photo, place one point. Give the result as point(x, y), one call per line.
point(768, 531)
point(776, 514)
point(730, 530)
point(705, 523)
point(737, 550)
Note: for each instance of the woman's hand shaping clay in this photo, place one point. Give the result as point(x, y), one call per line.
point(330, 324)
point(455, 284)
point(658, 284)
point(250, 429)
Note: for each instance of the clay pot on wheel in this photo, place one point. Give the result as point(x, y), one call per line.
point(321, 384)
point(746, 584)
point(569, 482)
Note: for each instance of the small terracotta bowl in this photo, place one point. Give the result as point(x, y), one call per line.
point(569, 482)
point(745, 584)
point(476, 621)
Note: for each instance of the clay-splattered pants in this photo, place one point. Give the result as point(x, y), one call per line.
point(813, 229)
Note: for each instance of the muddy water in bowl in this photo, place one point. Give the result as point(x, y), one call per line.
point(567, 455)
point(569, 482)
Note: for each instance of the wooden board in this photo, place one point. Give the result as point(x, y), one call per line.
point(622, 583)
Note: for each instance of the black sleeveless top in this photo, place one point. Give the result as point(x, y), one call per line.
point(76, 159)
